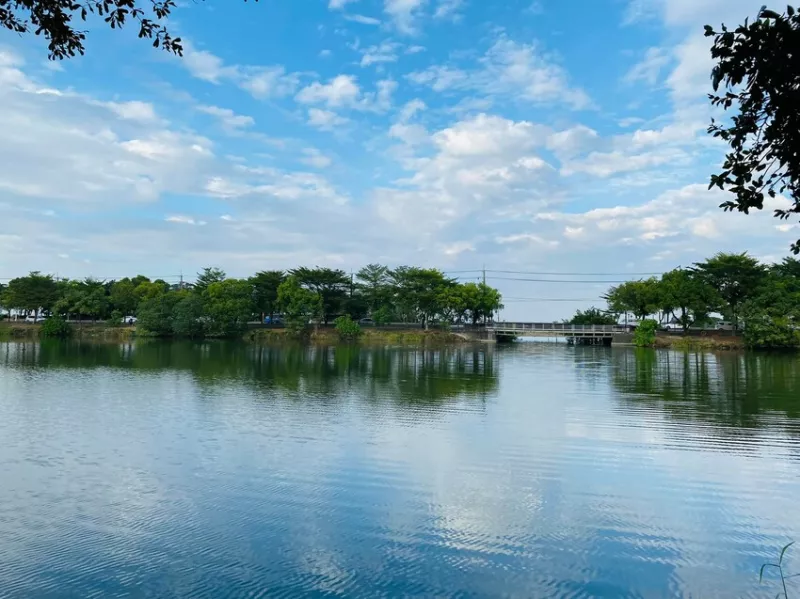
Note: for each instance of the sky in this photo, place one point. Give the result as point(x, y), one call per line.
point(532, 137)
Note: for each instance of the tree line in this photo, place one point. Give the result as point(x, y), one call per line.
point(762, 300)
point(216, 305)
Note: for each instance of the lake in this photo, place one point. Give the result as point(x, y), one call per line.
point(223, 471)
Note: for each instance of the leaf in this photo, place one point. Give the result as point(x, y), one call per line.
point(790, 10)
point(769, 14)
point(780, 560)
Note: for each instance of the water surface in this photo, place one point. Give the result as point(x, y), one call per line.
point(226, 471)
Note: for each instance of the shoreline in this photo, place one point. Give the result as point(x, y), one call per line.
point(102, 332)
point(107, 333)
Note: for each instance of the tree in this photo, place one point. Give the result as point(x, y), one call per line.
point(419, 291)
point(374, 281)
point(735, 277)
point(148, 290)
point(155, 314)
point(331, 286)
point(229, 306)
point(187, 317)
point(685, 291)
point(90, 299)
point(592, 316)
point(207, 277)
point(640, 298)
point(123, 296)
point(299, 305)
point(758, 67)
point(54, 20)
point(33, 293)
point(265, 291)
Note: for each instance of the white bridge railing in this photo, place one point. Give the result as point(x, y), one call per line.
point(556, 327)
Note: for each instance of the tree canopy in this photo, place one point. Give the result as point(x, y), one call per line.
point(217, 305)
point(58, 21)
point(758, 71)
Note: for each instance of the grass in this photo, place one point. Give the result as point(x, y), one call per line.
point(369, 336)
point(779, 567)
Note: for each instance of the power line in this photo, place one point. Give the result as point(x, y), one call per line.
point(550, 280)
point(557, 274)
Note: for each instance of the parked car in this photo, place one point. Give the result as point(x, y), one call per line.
point(129, 319)
point(724, 325)
point(367, 322)
point(273, 320)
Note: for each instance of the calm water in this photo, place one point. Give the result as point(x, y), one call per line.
point(222, 471)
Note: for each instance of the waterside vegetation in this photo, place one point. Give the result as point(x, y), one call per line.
point(215, 305)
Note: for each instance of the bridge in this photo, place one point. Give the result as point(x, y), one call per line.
point(585, 334)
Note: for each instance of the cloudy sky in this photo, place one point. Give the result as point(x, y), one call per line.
point(533, 137)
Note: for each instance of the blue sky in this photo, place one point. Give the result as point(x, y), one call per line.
point(526, 136)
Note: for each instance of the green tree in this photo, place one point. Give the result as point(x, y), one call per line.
point(592, 316)
point(331, 286)
point(419, 292)
point(299, 305)
point(689, 294)
point(265, 291)
point(640, 298)
point(210, 274)
point(374, 282)
point(55, 327)
point(55, 20)
point(229, 306)
point(33, 293)
point(123, 296)
point(645, 333)
point(147, 290)
point(758, 68)
point(187, 317)
point(735, 277)
point(155, 314)
point(347, 328)
point(90, 299)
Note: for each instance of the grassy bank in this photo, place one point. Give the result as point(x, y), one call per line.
point(88, 331)
point(699, 343)
point(369, 336)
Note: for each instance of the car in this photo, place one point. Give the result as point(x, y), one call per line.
point(273, 320)
point(367, 321)
point(129, 319)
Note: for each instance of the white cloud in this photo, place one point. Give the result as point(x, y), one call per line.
point(228, 117)
point(260, 81)
point(524, 69)
point(185, 220)
point(326, 120)
point(404, 13)
point(439, 78)
point(313, 157)
point(384, 52)
point(448, 9)
point(134, 111)
point(342, 90)
point(518, 71)
point(650, 67)
point(606, 164)
point(363, 19)
point(411, 108)
point(339, 4)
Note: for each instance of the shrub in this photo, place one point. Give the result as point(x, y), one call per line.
point(55, 328)
point(771, 333)
point(115, 319)
point(645, 333)
point(347, 328)
point(382, 316)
